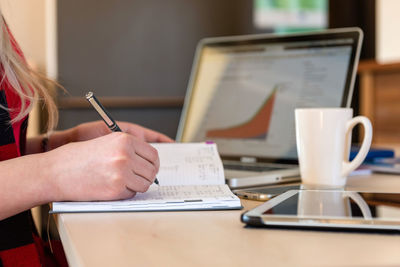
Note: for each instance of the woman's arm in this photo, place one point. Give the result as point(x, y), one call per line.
point(24, 183)
point(56, 139)
point(114, 166)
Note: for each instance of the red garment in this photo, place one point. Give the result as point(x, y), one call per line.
point(17, 243)
point(20, 245)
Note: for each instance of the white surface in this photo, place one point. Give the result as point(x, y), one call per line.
point(218, 238)
point(51, 39)
point(27, 21)
point(323, 139)
point(387, 37)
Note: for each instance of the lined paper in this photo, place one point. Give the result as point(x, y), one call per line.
point(189, 164)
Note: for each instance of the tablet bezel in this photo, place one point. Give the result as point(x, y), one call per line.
point(256, 217)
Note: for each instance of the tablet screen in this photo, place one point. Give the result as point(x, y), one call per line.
point(330, 208)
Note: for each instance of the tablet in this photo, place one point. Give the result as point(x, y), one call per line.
point(328, 209)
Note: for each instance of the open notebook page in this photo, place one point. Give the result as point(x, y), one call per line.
point(191, 177)
point(186, 197)
point(189, 164)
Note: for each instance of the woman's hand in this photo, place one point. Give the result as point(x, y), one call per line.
point(114, 166)
point(90, 130)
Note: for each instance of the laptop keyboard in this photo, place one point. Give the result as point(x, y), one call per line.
point(254, 168)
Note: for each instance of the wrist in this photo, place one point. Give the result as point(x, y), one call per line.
point(51, 172)
point(57, 139)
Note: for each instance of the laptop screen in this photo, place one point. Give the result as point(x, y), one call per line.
point(243, 93)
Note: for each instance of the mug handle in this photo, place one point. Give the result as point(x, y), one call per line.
point(348, 167)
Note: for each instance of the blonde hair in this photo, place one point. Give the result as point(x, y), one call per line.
point(28, 84)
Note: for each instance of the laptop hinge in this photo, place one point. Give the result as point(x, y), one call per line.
point(248, 159)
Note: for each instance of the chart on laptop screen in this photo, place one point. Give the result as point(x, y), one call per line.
point(256, 126)
point(250, 93)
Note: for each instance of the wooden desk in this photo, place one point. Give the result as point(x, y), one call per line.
point(218, 238)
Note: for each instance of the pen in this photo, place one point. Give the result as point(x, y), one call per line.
point(111, 124)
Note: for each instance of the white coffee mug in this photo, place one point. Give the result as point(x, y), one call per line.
point(323, 137)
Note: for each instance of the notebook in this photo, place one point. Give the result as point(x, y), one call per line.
point(191, 177)
point(243, 91)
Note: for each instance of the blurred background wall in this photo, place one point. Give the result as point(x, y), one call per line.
point(140, 51)
point(136, 55)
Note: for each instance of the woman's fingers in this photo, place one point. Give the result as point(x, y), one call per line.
point(146, 152)
point(145, 134)
point(144, 168)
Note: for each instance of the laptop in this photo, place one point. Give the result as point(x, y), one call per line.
point(243, 91)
